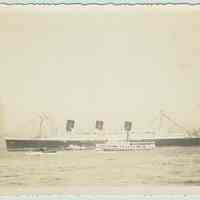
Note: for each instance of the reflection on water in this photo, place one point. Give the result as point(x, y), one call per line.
point(173, 165)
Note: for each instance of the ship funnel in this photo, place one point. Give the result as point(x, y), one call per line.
point(99, 125)
point(127, 128)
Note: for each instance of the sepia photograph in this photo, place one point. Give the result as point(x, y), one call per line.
point(95, 99)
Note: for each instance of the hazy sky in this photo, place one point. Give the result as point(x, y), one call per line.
point(110, 63)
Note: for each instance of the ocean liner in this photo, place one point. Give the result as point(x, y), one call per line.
point(90, 141)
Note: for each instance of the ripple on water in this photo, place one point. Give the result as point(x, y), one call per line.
point(163, 165)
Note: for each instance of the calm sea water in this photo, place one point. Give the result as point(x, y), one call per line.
point(173, 165)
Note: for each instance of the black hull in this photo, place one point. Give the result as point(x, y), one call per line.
point(45, 144)
point(162, 142)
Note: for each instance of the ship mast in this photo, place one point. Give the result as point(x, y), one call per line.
point(42, 117)
point(41, 124)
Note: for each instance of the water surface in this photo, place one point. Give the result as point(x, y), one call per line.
point(161, 166)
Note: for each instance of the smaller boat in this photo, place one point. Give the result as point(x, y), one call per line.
point(76, 147)
point(48, 150)
point(125, 146)
point(32, 153)
point(42, 151)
